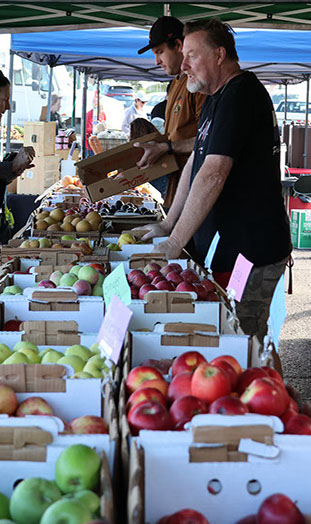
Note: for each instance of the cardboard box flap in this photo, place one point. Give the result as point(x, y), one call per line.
point(231, 435)
point(34, 377)
point(25, 443)
point(51, 333)
point(187, 327)
point(136, 491)
point(106, 498)
point(169, 302)
point(139, 260)
point(190, 339)
point(52, 295)
point(44, 272)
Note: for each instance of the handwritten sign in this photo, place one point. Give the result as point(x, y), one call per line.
point(211, 252)
point(277, 312)
point(113, 329)
point(239, 276)
point(116, 284)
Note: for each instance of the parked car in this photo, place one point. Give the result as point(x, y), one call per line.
point(124, 93)
point(295, 111)
point(153, 100)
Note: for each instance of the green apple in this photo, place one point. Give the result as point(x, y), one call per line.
point(32, 356)
point(31, 498)
point(56, 276)
point(23, 344)
point(67, 512)
point(89, 273)
point(68, 279)
point(51, 357)
point(4, 507)
point(75, 270)
point(97, 290)
point(95, 348)
point(82, 374)
point(96, 366)
point(5, 352)
point(16, 358)
point(77, 468)
point(44, 352)
point(12, 290)
point(86, 497)
point(80, 351)
point(72, 360)
point(45, 242)
point(68, 238)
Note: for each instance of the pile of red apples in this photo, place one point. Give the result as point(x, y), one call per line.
point(197, 386)
point(86, 424)
point(171, 277)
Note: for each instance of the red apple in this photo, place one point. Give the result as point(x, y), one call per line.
point(157, 279)
point(228, 368)
point(82, 287)
point(209, 383)
point(228, 405)
point(134, 292)
point(273, 373)
point(152, 274)
point(152, 266)
point(180, 386)
point(33, 406)
point(89, 424)
point(70, 212)
point(288, 413)
point(264, 397)
point(298, 425)
point(279, 509)
point(208, 284)
point(157, 383)
point(140, 280)
point(165, 270)
point(185, 286)
point(187, 361)
point(233, 361)
point(47, 284)
point(187, 516)
point(183, 409)
point(293, 405)
point(247, 377)
point(8, 400)
point(163, 365)
point(145, 289)
point(201, 292)
point(144, 394)
point(212, 297)
point(140, 375)
point(174, 277)
point(190, 276)
point(132, 274)
point(250, 519)
point(12, 325)
point(99, 267)
point(164, 285)
point(149, 415)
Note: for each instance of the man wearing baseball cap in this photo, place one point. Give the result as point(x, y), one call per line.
point(183, 108)
point(136, 110)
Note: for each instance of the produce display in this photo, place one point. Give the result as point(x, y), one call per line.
point(17, 132)
point(69, 221)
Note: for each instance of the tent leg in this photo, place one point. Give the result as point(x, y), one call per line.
point(305, 154)
point(73, 115)
point(48, 113)
point(9, 117)
point(83, 120)
point(285, 102)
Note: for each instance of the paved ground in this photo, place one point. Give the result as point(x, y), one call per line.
point(295, 339)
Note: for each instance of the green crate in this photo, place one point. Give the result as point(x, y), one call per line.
point(300, 228)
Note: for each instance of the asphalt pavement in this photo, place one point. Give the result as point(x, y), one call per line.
point(295, 338)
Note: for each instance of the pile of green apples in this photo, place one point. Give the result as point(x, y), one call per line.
point(86, 362)
point(71, 498)
point(84, 279)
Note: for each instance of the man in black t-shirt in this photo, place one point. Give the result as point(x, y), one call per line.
point(231, 182)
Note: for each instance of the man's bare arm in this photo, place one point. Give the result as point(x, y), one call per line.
point(154, 150)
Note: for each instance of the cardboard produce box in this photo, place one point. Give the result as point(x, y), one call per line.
point(93, 170)
point(41, 136)
point(36, 180)
point(300, 227)
point(198, 473)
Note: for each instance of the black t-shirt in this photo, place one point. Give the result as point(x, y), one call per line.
point(238, 121)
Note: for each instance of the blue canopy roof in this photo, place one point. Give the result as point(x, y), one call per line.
point(112, 52)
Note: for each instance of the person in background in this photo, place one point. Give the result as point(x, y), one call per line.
point(183, 108)
point(141, 127)
point(231, 182)
point(89, 129)
point(56, 101)
point(136, 110)
point(15, 164)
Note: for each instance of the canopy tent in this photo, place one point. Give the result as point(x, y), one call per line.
point(41, 15)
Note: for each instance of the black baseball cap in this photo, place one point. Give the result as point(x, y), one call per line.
point(163, 29)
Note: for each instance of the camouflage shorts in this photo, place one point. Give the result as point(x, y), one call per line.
point(253, 310)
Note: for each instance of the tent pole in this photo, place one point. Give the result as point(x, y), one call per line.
point(73, 115)
point(306, 125)
point(285, 107)
point(98, 99)
point(83, 119)
point(9, 117)
point(48, 113)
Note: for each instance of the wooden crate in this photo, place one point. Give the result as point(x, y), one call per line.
point(36, 180)
point(41, 136)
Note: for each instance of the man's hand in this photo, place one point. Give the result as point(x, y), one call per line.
point(152, 152)
point(23, 160)
point(153, 230)
point(170, 247)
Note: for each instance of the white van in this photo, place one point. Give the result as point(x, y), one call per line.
point(296, 111)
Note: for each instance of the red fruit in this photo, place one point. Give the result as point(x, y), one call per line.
point(190, 276)
point(273, 373)
point(140, 280)
point(264, 397)
point(228, 405)
point(174, 277)
point(187, 516)
point(145, 394)
point(157, 279)
point(288, 413)
point(89, 424)
point(8, 400)
point(152, 266)
point(98, 268)
point(163, 365)
point(180, 386)
point(223, 364)
point(201, 292)
point(134, 292)
point(152, 274)
point(164, 285)
point(250, 519)
point(47, 284)
point(183, 409)
point(140, 375)
point(293, 405)
point(298, 425)
point(209, 383)
point(279, 509)
point(12, 325)
point(171, 267)
point(149, 415)
point(212, 297)
point(247, 377)
point(187, 361)
point(157, 383)
point(208, 284)
point(132, 274)
point(233, 361)
point(185, 286)
point(145, 289)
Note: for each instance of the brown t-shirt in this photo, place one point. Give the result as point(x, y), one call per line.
point(182, 116)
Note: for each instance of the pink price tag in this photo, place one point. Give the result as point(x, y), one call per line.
point(239, 277)
point(113, 329)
